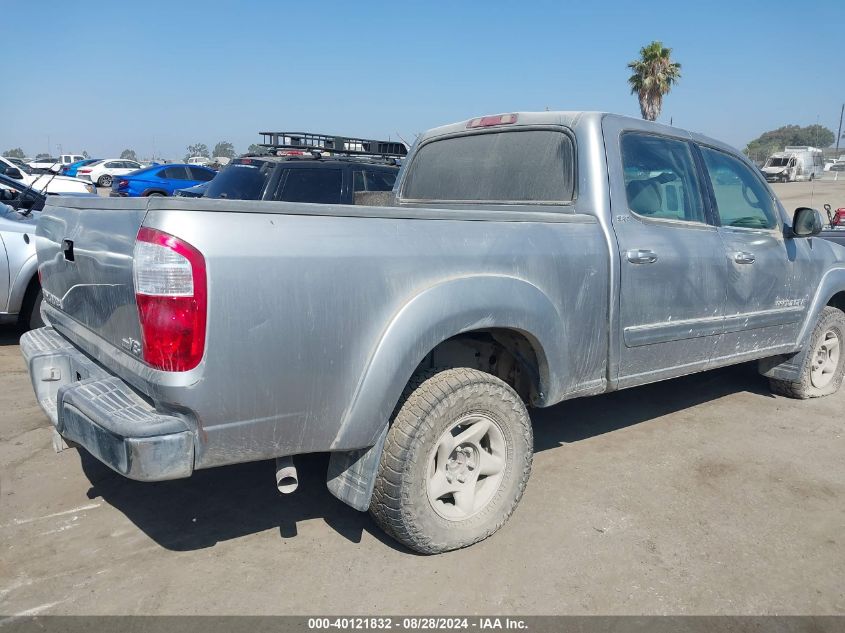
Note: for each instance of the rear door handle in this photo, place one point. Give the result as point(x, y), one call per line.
point(744, 257)
point(641, 256)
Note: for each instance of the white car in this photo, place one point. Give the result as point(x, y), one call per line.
point(103, 172)
point(49, 183)
point(43, 164)
point(199, 160)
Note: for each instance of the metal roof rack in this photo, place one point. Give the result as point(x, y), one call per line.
point(345, 145)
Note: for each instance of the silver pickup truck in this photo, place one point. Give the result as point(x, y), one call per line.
point(522, 259)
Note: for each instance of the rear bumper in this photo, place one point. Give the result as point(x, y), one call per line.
point(96, 409)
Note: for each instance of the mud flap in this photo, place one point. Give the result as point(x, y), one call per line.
point(784, 367)
point(60, 443)
point(352, 474)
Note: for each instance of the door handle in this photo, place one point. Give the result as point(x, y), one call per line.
point(641, 256)
point(744, 257)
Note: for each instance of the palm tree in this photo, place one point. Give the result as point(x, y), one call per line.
point(654, 75)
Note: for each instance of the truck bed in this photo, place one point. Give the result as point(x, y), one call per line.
point(306, 301)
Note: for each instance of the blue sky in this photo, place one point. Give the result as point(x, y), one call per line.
point(102, 76)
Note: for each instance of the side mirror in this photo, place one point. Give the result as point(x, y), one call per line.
point(14, 172)
point(806, 222)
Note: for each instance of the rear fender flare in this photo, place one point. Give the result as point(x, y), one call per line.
point(434, 315)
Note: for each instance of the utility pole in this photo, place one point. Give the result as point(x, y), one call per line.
point(839, 133)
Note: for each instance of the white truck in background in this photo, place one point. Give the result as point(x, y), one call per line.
point(794, 163)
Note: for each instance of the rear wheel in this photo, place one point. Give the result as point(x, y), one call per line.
point(104, 181)
point(824, 365)
point(455, 463)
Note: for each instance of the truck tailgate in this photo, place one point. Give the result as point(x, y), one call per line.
point(85, 261)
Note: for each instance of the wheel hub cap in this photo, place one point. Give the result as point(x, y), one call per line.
point(466, 467)
point(825, 360)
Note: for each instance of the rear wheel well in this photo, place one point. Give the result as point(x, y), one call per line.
point(838, 300)
point(508, 354)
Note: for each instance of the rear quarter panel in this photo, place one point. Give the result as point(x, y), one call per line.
point(300, 304)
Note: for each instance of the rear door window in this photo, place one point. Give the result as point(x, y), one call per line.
point(379, 180)
point(512, 166)
point(203, 175)
point(176, 173)
point(312, 185)
point(661, 180)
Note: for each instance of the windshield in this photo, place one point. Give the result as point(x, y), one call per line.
point(776, 161)
point(513, 166)
point(245, 179)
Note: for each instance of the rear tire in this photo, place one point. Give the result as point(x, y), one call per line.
point(455, 463)
point(824, 366)
point(104, 181)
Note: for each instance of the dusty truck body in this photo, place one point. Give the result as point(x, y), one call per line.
point(526, 259)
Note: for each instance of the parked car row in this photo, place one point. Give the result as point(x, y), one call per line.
point(51, 183)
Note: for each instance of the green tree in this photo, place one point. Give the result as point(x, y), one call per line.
point(85, 154)
point(256, 149)
point(653, 76)
point(197, 149)
point(128, 154)
point(224, 148)
point(41, 155)
point(14, 153)
point(775, 140)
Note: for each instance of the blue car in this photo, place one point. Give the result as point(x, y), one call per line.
point(70, 170)
point(160, 180)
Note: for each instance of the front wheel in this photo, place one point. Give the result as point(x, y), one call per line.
point(824, 365)
point(104, 181)
point(455, 463)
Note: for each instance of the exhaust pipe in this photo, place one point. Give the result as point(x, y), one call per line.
point(286, 478)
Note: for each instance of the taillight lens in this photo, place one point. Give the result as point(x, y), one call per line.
point(122, 184)
point(171, 293)
point(83, 171)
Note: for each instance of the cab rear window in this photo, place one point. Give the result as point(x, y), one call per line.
point(512, 166)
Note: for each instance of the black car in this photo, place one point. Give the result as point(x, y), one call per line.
point(319, 180)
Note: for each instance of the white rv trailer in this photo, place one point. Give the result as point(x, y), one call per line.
point(794, 163)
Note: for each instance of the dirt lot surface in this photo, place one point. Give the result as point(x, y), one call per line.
point(701, 495)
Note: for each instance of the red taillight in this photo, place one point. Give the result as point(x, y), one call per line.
point(122, 184)
point(839, 217)
point(171, 293)
point(83, 171)
point(488, 121)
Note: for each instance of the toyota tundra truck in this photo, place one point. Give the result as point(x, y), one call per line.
point(521, 260)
